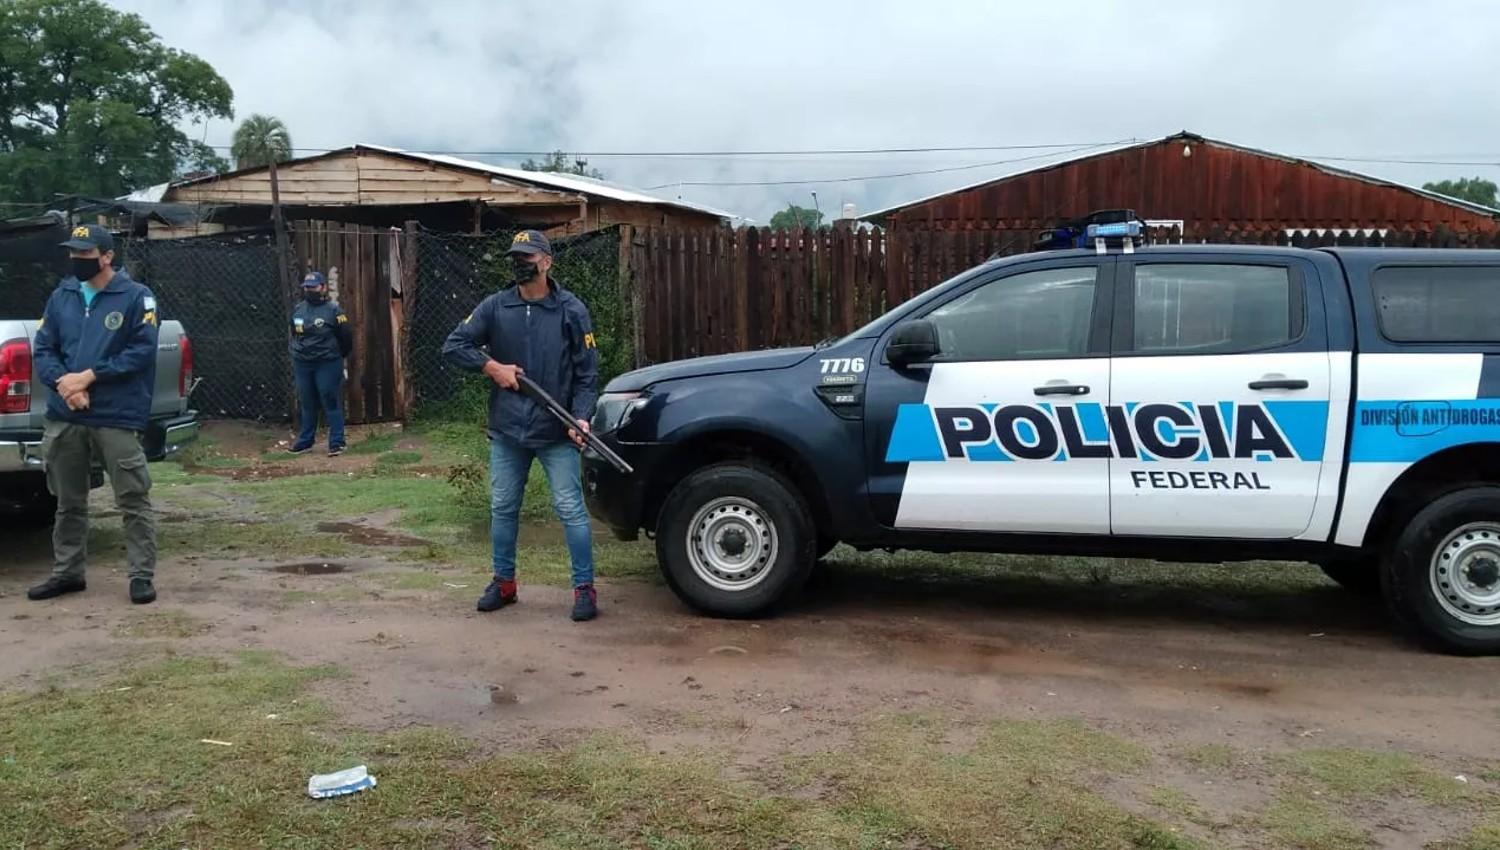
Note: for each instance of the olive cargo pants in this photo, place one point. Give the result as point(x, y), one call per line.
point(68, 451)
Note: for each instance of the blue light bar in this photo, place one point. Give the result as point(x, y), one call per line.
point(1114, 230)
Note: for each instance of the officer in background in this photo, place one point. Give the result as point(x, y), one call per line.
point(321, 339)
point(95, 351)
point(536, 328)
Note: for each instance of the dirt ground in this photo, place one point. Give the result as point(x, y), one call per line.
point(1261, 672)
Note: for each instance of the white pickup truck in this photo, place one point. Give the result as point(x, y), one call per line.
point(23, 404)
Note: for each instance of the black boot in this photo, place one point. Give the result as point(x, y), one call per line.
point(142, 592)
point(56, 586)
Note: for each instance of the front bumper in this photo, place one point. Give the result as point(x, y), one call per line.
point(614, 498)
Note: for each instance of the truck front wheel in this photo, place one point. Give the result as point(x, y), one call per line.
point(1442, 578)
point(734, 539)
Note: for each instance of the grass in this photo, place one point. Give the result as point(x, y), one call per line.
point(1363, 775)
point(170, 623)
point(1219, 757)
point(1486, 836)
point(397, 459)
point(1023, 784)
point(136, 773)
point(1306, 823)
point(374, 444)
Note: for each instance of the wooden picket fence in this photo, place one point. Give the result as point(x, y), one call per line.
point(703, 291)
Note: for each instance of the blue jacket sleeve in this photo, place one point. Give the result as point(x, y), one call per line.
point(585, 357)
point(342, 331)
point(139, 352)
point(464, 347)
point(46, 353)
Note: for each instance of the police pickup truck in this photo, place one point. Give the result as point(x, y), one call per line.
point(1185, 403)
point(23, 406)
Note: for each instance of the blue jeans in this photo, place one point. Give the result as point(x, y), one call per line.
point(320, 386)
point(510, 464)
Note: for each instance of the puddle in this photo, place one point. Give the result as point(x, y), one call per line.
point(367, 536)
point(310, 568)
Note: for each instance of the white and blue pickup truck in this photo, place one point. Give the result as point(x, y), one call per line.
point(23, 407)
point(1187, 403)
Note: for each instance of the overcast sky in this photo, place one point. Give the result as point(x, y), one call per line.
point(1394, 79)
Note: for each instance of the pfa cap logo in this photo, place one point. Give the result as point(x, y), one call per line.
point(522, 237)
point(81, 232)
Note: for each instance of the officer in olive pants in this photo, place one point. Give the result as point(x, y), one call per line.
point(95, 351)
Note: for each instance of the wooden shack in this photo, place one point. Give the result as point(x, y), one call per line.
point(386, 187)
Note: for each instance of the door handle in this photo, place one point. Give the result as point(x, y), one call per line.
point(1279, 384)
point(1062, 389)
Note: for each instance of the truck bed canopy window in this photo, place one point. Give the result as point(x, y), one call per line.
point(1420, 304)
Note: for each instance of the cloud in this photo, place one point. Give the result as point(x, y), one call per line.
point(1376, 78)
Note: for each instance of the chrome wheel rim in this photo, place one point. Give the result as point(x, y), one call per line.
point(732, 544)
point(1465, 574)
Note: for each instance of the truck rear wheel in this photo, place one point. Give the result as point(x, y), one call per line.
point(734, 539)
point(1442, 578)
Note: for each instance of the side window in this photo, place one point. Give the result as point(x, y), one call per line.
point(1435, 304)
point(1037, 314)
point(1202, 308)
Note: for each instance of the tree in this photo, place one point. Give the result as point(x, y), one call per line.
point(557, 162)
point(260, 140)
point(91, 102)
point(795, 216)
point(1475, 190)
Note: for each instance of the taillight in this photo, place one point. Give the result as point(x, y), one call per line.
point(185, 374)
point(15, 376)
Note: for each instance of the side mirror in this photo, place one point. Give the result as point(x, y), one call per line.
point(911, 342)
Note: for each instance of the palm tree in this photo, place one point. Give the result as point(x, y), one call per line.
point(260, 140)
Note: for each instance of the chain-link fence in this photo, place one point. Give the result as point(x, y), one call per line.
point(455, 272)
point(226, 292)
point(224, 289)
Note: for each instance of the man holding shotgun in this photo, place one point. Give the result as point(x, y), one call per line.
point(533, 327)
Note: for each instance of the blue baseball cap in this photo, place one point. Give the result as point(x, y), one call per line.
point(86, 237)
point(530, 242)
point(313, 280)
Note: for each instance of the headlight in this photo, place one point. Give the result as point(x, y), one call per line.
point(614, 410)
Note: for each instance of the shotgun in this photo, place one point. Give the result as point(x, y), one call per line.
point(530, 389)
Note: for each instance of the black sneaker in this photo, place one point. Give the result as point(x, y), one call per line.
point(56, 586)
point(498, 595)
point(142, 592)
point(335, 451)
point(298, 450)
point(585, 603)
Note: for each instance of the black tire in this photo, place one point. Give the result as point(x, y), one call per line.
point(1409, 572)
point(1358, 576)
point(783, 517)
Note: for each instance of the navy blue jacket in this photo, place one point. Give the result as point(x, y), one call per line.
point(320, 332)
point(552, 340)
point(116, 337)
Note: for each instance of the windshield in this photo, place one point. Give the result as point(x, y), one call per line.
point(877, 325)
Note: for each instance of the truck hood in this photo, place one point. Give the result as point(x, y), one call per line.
point(702, 367)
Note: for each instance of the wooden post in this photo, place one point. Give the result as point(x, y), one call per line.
point(282, 256)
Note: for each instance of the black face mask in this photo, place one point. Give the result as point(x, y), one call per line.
point(523, 270)
point(313, 296)
point(84, 268)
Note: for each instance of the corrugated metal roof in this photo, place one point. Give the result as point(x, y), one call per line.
point(1194, 139)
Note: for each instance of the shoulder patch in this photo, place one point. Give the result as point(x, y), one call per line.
point(149, 303)
point(588, 341)
point(343, 319)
